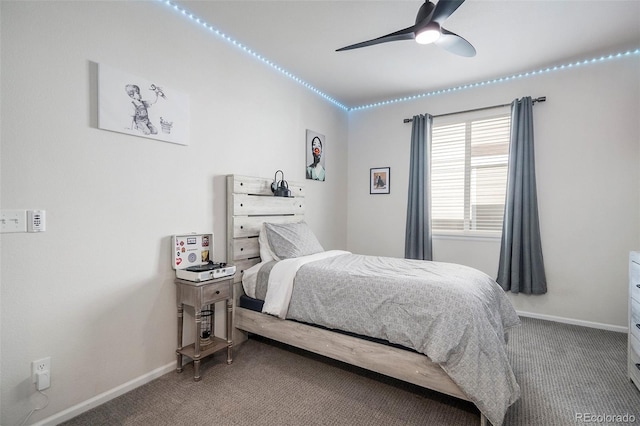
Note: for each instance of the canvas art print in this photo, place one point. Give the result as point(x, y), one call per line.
point(380, 180)
point(315, 156)
point(140, 107)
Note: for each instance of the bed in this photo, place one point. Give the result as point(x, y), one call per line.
point(471, 366)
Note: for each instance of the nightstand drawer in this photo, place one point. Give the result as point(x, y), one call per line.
point(634, 368)
point(204, 292)
point(634, 280)
point(217, 292)
point(634, 344)
point(634, 319)
point(633, 357)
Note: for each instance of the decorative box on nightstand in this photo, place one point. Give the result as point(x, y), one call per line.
point(634, 318)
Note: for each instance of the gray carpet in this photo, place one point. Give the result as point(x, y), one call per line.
point(564, 371)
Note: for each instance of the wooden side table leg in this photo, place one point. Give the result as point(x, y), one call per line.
point(196, 351)
point(180, 323)
point(229, 331)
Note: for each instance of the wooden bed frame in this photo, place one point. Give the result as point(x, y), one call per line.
point(250, 202)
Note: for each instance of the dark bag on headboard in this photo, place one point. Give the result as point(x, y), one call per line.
point(280, 189)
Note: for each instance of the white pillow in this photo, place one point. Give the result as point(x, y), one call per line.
point(266, 254)
point(289, 240)
point(250, 279)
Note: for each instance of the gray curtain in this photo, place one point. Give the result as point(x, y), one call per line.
point(417, 243)
point(521, 267)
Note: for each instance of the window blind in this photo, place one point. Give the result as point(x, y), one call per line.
point(469, 175)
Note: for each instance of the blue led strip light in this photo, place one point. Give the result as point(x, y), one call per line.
point(252, 53)
point(502, 79)
point(397, 100)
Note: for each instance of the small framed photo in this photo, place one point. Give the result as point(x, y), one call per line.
point(380, 180)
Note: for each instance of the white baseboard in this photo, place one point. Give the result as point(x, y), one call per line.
point(87, 405)
point(571, 321)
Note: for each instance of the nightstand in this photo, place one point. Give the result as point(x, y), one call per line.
point(198, 295)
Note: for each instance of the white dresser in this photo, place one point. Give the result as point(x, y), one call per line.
point(634, 318)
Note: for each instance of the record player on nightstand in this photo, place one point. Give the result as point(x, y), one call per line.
point(209, 271)
point(191, 258)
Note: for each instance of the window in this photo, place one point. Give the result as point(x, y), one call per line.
point(469, 176)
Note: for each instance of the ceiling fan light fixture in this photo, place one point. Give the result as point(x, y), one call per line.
point(427, 29)
point(428, 34)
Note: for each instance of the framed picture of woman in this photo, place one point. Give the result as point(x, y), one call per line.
point(315, 156)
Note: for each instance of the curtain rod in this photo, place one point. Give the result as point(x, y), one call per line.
point(539, 99)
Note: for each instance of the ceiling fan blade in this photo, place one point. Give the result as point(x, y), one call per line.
point(425, 14)
point(455, 44)
point(404, 34)
point(444, 9)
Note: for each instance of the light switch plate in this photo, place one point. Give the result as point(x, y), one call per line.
point(13, 221)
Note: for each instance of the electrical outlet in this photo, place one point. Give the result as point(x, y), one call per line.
point(40, 366)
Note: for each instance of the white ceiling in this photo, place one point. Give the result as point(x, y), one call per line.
point(510, 37)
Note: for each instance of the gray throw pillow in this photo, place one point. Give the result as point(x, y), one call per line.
point(289, 240)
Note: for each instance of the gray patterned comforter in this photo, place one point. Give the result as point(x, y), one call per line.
point(456, 315)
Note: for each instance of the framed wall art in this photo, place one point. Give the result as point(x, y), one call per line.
point(315, 156)
point(380, 179)
point(141, 107)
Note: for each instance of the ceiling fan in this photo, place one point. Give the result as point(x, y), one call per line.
point(428, 29)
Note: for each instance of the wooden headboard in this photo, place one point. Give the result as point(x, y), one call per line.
point(250, 202)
